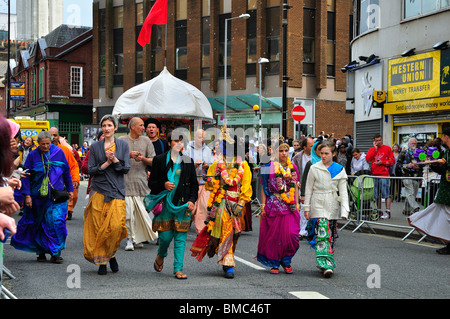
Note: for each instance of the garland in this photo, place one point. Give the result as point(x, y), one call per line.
point(290, 176)
point(230, 179)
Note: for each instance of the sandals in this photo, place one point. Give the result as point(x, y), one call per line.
point(158, 267)
point(179, 275)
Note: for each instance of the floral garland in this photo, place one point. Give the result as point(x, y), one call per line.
point(290, 176)
point(230, 179)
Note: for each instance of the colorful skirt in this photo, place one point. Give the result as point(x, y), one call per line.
point(42, 228)
point(278, 234)
point(104, 228)
point(322, 234)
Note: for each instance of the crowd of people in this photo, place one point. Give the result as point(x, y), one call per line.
point(144, 189)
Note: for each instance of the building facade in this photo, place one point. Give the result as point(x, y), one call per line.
point(192, 46)
point(56, 72)
point(400, 47)
point(37, 18)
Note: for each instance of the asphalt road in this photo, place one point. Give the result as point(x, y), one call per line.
point(368, 267)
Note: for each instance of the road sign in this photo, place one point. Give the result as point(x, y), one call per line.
point(17, 91)
point(299, 113)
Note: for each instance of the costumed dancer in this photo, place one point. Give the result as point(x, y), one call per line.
point(435, 219)
point(326, 200)
point(280, 219)
point(230, 187)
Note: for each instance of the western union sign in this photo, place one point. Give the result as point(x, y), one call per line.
point(415, 77)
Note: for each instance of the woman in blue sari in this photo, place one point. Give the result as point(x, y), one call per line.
point(42, 228)
point(173, 181)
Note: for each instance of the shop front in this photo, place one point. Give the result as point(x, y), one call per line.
point(419, 96)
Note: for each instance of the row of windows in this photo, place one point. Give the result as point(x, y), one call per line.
point(368, 12)
point(273, 29)
point(76, 84)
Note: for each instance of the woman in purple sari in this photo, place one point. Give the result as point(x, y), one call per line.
point(42, 228)
point(280, 219)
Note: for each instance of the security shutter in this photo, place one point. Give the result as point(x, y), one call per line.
point(364, 133)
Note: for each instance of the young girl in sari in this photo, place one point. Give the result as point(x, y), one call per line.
point(280, 219)
point(326, 200)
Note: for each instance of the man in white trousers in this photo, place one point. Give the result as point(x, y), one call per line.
point(138, 221)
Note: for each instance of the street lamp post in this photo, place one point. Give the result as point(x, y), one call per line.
point(260, 62)
point(225, 62)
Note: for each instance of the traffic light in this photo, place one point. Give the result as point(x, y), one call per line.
point(378, 99)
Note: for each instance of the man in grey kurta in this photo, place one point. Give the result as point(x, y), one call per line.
point(138, 221)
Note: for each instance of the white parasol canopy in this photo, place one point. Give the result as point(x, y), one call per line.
point(165, 96)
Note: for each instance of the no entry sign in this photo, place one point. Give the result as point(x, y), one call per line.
point(298, 113)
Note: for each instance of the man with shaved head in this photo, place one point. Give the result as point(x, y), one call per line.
point(138, 221)
point(73, 165)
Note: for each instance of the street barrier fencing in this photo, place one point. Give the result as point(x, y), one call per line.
point(4, 293)
point(407, 194)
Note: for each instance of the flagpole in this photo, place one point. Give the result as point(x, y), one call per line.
point(165, 48)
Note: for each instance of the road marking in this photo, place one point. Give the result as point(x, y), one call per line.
point(245, 262)
point(308, 295)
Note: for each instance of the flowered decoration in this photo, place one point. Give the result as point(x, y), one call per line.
point(432, 154)
point(230, 179)
point(290, 177)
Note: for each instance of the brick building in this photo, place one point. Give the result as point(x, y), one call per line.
point(57, 72)
point(318, 36)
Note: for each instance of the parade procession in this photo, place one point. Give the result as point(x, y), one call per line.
point(224, 151)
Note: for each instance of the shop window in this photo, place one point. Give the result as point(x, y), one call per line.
point(413, 8)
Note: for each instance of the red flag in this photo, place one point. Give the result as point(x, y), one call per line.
point(157, 15)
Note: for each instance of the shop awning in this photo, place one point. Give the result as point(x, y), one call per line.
point(244, 103)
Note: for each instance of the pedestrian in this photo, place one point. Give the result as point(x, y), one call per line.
point(174, 186)
point(395, 171)
point(359, 164)
point(201, 155)
point(435, 219)
point(152, 128)
point(381, 158)
point(105, 213)
point(409, 168)
point(280, 219)
point(230, 189)
point(42, 228)
point(138, 221)
point(297, 148)
point(343, 157)
point(73, 165)
point(326, 200)
point(300, 160)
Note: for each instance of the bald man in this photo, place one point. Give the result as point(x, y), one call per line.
point(138, 220)
point(73, 165)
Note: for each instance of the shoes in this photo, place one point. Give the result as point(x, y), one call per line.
point(41, 258)
point(114, 265)
point(102, 270)
point(288, 269)
point(328, 273)
point(444, 251)
point(56, 259)
point(129, 246)
point(140, 245)
point(274, 270)
point(229, 273)
point(415, 210)
point(69, 215)
point(386, 216)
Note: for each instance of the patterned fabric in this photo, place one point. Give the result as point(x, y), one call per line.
point(322, 235)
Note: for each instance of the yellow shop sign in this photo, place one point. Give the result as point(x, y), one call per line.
point(414, 77)
point(414, 106)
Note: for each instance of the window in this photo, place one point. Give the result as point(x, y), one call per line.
point(140, 13)
point(206, 25)
point(32, 86)
point(369, 15)
point(76, 81)
point(41, 82)
point(118, 17)
point(413, 8)
point(309, 33)
point(118, 57)
point(331, 37)
point(273, 31)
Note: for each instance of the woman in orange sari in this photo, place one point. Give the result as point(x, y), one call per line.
point(105, 213)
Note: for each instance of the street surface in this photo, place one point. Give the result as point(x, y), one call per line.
point(368, 267)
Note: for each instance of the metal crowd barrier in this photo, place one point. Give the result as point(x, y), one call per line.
point(4, 293)
point(364, 208)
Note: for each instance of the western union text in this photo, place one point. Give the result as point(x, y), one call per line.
point(412, 72)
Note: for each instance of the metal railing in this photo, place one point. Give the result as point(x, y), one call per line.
point(365, 210)
point(4, 292)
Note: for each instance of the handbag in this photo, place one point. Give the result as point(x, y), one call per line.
point(158, 208)
point(56, 196)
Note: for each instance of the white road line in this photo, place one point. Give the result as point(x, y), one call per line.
point(308, 295)
point(245, 262)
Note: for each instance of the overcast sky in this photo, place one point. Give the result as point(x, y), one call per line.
point(79, 11)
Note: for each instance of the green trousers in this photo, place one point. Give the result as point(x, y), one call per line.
point(179, 243)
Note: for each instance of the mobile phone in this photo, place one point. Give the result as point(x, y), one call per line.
point(7, 233)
